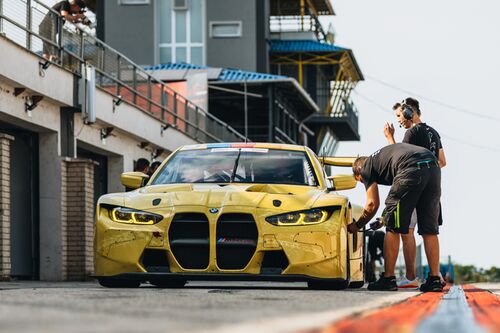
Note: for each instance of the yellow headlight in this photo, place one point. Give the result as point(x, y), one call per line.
point(132, 216)
point(312, 216)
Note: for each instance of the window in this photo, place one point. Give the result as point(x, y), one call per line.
point(225, 29)
point(180, 4)
point(133, 2)
point(181, 32)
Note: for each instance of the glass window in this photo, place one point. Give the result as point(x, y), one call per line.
point(196, 21)
point(165, 55)
point(180, 26)
point(197, 55)
point(165, 21)
point(180, 54)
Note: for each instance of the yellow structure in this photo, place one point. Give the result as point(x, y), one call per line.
point(231, 225)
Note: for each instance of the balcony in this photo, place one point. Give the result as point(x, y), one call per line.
point(22, 22)
point(344, 122)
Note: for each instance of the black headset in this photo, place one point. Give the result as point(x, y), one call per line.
point(407, 111)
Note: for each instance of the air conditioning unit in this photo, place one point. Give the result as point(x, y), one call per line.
point(180, 4)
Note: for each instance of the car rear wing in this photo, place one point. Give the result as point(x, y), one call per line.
point(338, 161)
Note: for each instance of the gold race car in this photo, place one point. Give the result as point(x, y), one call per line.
point(231, 211)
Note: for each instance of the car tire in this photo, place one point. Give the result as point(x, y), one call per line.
point(335, 285)
point(356, 284)
point(117, 283)
point(168, 283)
point(328, 285)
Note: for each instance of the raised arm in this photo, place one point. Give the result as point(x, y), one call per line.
point(389, 133)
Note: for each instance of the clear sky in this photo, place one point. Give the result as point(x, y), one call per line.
point(449, 51)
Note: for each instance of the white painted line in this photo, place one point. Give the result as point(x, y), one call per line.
point(308, 321)
point(453, 314)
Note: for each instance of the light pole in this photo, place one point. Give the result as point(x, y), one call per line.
point(245, 106)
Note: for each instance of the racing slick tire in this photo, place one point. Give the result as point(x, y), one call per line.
point(117, 283)
point(168, 284)
point(334, 285)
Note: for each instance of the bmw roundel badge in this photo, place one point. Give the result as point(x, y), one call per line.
point(214, 210)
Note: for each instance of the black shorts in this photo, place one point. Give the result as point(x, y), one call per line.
point(415, 187)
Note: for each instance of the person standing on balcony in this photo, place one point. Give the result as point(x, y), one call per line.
point(51, 25)
point(420, 134)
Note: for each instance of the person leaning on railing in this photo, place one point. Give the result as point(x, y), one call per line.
point(69, 10)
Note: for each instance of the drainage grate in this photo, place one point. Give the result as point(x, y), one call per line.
point(236, 236)
point(189, 240)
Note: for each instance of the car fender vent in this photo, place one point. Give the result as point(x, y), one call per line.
point(274, 262)
point(154, 260)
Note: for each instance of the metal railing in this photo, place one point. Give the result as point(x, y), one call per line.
point(36, 27)
point(349, 112)
point(307, 23)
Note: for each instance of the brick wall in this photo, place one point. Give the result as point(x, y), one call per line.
point(78, 218)
point(5, 206)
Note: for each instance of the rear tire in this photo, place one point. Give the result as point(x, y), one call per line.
point(168, 284)
point(117, 283)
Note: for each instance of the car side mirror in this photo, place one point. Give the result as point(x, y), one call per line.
point(133, 180)
point(343, 182)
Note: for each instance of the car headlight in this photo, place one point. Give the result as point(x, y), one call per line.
point(305, 217)
point(133, 216)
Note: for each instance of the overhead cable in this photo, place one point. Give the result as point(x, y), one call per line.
point(446, 105)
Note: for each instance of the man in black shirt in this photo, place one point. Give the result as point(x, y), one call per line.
point(415, 179)
point(418, 133)
point(50, 26)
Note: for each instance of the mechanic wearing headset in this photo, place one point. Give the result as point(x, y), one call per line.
point(420, 134)
point(415, 178)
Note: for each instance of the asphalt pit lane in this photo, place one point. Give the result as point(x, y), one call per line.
point(221, 291)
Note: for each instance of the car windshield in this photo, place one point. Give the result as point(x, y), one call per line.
point(253, 165)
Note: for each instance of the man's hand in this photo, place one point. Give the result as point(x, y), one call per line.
point(352, 228)
point(389, 133)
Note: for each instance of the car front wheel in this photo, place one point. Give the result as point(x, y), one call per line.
point(117, 283)
point(168, 284)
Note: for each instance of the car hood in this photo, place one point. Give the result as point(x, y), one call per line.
point(215, 195)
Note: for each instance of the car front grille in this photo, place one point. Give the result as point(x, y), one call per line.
point(189, 238)
point(236, 238)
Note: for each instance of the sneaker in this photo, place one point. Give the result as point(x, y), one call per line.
point(384, 284)
point(433, 283)
point(404, 283)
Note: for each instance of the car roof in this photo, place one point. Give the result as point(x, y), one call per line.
point(244, 145)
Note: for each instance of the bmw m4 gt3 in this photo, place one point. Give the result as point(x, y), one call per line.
point(231, 212)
